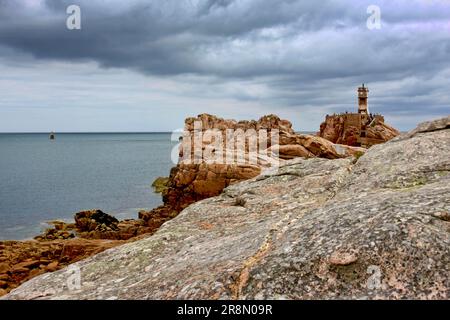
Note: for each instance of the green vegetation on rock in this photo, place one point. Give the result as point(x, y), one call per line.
point(160, 184)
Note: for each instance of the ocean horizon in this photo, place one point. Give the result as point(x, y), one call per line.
point(43, 180)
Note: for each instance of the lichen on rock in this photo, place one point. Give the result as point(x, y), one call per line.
point(160, 184)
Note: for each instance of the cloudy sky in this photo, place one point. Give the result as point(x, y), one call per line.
point(146, 65)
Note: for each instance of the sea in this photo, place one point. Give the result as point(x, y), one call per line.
point(43, 180)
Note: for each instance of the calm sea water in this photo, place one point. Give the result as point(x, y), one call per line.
point(42, 180)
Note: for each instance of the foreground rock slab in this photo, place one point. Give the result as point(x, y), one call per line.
point(316, 228)
point(190, 182)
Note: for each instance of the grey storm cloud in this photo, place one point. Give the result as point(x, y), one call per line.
point(232, 38)
point(298, 49)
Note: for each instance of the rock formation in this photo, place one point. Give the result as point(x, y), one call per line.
point(346, 129)
point(23, 260)
point(65, 243)
point(315, 228)
point(95, 224)
point(159, 185)
point(357, 129)
point(190, 182)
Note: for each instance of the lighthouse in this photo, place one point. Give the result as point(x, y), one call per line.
point(363, 108)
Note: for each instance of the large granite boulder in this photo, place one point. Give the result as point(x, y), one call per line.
point(190, 182)
point(91, 220)
point(338, 129)
point(373, 227)
point(95, 224)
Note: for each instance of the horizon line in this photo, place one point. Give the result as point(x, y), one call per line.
point(72, 132)
point(103, 132)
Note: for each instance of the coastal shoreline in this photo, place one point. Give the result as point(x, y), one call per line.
point(95, 231)
point(368, 227)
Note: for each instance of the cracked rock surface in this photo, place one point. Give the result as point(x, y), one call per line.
point(373, 227)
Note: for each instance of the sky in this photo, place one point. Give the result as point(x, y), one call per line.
point(144, 66)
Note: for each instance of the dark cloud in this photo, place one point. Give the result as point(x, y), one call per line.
point(305, 53)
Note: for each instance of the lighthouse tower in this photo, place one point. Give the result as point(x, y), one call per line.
point(363, 107)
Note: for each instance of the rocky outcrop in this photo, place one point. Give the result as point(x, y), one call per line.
point(193, 182)
point(315, 228)
point(190, 182)
point(315, 146)
point(429, 126)
point(95, 224)
point(23, 260)
point(343, 129)
point(159, 185)
point(92, 232)
point(95, 220)
point(381, 131)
